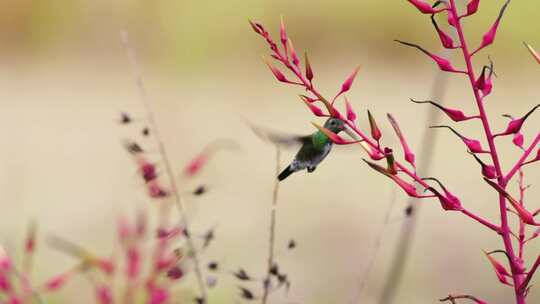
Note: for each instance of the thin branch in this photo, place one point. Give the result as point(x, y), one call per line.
point(167, 164)
point(272, 238)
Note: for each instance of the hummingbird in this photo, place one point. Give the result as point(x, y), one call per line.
point(314, 147)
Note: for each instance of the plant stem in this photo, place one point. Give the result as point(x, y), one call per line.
point(271, 246)
point(505, 230)
point(166, 161)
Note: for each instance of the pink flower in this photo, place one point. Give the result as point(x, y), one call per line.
point(443, 63)
point(157, 295)
point(104, 295)
point(489, 36)
point(454, 114)
point(500, 271)
point(409, 155)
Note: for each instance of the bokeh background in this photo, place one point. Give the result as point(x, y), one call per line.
point(64, 78)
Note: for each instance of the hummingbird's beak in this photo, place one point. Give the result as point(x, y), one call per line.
point(350, 133)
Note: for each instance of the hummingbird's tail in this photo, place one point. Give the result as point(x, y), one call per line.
point(285, 173)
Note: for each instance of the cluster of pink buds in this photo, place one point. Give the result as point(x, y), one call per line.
point(484, 151)
point(16, 285)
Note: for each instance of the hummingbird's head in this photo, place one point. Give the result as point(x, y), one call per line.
point(335, 125)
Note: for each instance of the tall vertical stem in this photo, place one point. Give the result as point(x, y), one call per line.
point(505, 230)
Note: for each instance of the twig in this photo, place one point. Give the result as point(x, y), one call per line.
point(271, 246)
point(162, 151)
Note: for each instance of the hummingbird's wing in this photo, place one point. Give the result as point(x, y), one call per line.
point(280, 138)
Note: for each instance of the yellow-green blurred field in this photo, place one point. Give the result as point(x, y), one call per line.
point(64, 78)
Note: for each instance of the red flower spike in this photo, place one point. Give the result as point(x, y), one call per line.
point(443, 63)
point(515, 125)
point(351, 115)
point(472, 144)
point(446, 40)
point(104, 295)
point(294, 56)
point(472, 7)
point(454, 114)
point(315, 109)
point(375, 131)
point(346, 86)
point(500, 271)
point(488, 171)
point(408, 188)
point(423, 7)
point(533, 52)
point(309, 71)
point(449, 201)
point(409, 155)
point(336, 139)
point(518, 140)
point(489, 36)
point(524, 214)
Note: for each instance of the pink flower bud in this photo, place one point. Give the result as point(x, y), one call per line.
point(58, 281)
point(390, 161)
point(533, 52)
point(489, 36)
point(409, 155)
point(156, 191)
point(133, 262)
point(258, 28)
point(157, 295)
point(308, 99)
point(472, 7)
point(5, 261)
point(175, 273)
point(294, 55)
point(423, 6)
point(104, 295)
point(375, 131)
point(30, 243)
point(472, 144)
point(515, 125)
point(518, 140)
point(196, 164)
point(351, 115)
point(336, 139)
point(5, 284)
point(454, 114)
point(346, 86)
point(446, 40)
point(500, 271)
point(407, 187)
point(449, 201)
point(373, 154)
point(283, 34)
point(315, 110)
point(278, 74)
point(444, 64)
point(146, 169)
point(309, 71)
point(106, 265)
point(526, 216)
point(488, 171)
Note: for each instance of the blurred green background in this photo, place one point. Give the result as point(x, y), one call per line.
point(64, 78)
